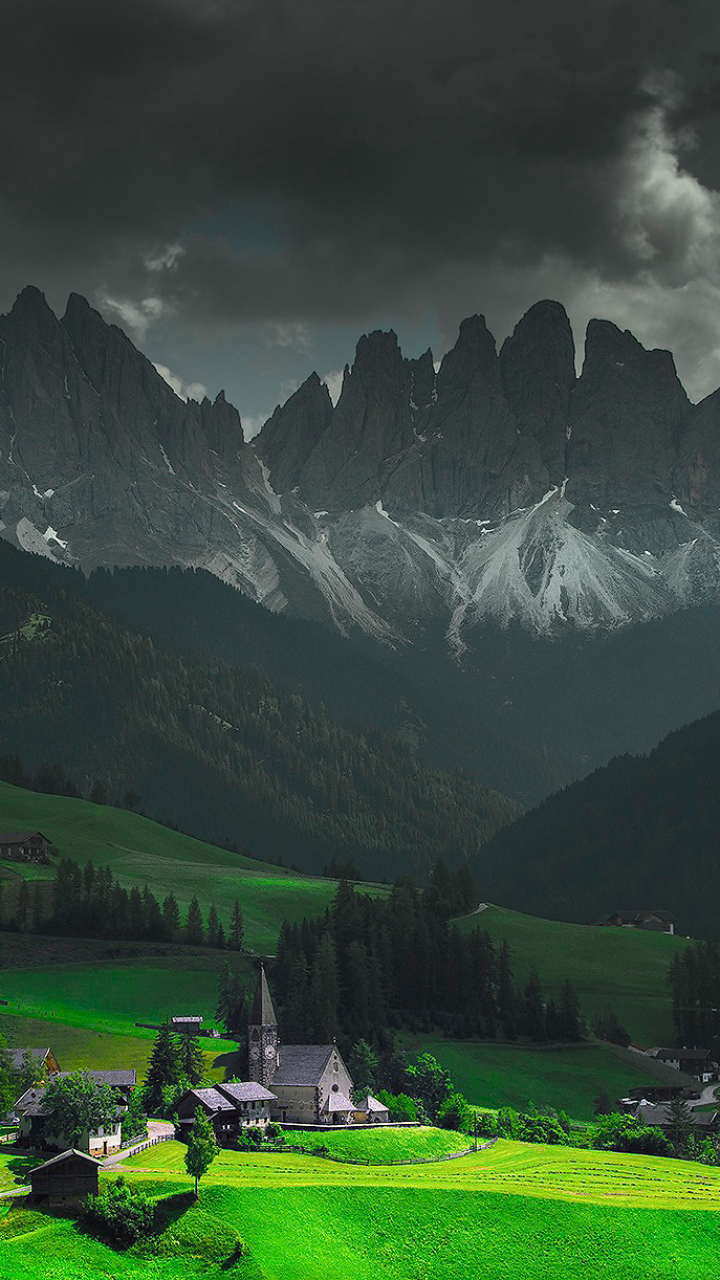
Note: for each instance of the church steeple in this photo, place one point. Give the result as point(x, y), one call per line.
point(263, 1036)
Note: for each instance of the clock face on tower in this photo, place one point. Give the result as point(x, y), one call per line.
point(269, 1051)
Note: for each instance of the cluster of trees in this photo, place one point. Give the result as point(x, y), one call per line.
point(370, 965)
point(221, 751)
point(176, 1064)
point(88, 901)
point(694, 981)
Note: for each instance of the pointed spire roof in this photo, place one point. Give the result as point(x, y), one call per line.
point(263, 1013)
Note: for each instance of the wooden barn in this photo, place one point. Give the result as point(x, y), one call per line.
point(25, 846)
point(66, 1179)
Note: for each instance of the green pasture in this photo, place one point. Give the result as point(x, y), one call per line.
point(382, 1145)
point(142, 852)
point(87, 1012)
point(545, 1213)
point(624, 967)
point(568, 1077)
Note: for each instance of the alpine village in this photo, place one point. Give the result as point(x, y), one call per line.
point(359, 640)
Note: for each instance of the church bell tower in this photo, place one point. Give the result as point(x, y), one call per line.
point(263, 1037)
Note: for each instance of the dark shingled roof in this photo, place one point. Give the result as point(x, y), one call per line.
point(213, 1099)
point(20, 837)
point(302, 1063)
point(17, 1055)
point(263, 1013)
point(119, 1078)
point(246, 1091)
point(66, 1155)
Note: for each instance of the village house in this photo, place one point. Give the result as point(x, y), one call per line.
point(229, 1108)
point(35, 1121)
point(659, 1115)
point(370, 1111)
point(656, 921)
point(25, 846)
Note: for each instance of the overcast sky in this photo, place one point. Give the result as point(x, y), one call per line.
point(247, 185)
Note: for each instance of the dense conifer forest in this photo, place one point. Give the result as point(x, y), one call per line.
point(369, 967)
point(641, 833)
point(216, 750)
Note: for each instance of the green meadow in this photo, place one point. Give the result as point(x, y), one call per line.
point(625, 967)
point(565, 1077)
point(139, 851)
point(382, 1145)
point(87, 1011)
point(545, 1213)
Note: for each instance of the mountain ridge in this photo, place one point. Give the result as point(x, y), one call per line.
point(498, 487)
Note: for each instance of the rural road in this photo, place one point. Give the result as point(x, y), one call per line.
point(156, 1129)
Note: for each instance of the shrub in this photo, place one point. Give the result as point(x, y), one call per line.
point(400, 1106)
point(618, 1132)
point(119, 1213)
point(454, 1113)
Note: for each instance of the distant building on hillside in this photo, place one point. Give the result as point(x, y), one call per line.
point(656, 921)
point(25, 846)
point(310, 1082)
point(700, 1063)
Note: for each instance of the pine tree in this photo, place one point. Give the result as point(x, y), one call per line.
point(163, 1068)
point(194, 923)
point(191, 1059)
point(237, 928)
point(171, 916)
point(214, 928)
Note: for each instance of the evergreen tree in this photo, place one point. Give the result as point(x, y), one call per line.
point(214, 928)
point(190, 1057)
point(194, 923)
point(237, 928)
point(171, 916)
point(163, 1069)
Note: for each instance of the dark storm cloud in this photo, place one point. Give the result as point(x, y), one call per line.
point(393, 140)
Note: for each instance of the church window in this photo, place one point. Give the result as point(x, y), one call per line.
point(255, 1034)
point(336, 1088)
point(335, 1065)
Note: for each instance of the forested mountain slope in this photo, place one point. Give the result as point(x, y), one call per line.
point(641, 833)
point(216, 750)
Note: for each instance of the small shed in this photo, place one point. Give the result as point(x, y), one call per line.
point(65, 1179)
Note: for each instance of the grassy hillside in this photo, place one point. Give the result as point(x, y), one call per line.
point(86, 1009)
point(625, 967)
point(537, 1212)
point(566, 1077)
point(142, 852)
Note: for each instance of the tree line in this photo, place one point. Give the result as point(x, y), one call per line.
point(89, 902)
point(694, 981)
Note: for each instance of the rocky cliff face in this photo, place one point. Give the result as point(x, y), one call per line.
point(501, 486)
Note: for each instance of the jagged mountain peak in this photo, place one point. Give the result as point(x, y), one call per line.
point(503, 486)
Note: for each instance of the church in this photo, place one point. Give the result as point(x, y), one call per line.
point(309, 1082)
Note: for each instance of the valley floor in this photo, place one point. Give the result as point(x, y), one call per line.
point(509, 1211)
